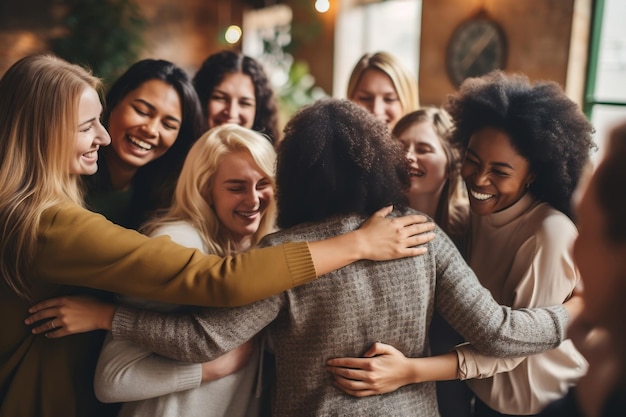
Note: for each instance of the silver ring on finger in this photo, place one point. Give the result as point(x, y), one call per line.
point(53, 325)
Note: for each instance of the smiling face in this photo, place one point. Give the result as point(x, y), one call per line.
point(240, 195)
point(495, 174)
point(427, 159)
point(91, 134)
point(145, 123)
point(232, 101)
point(376, 92)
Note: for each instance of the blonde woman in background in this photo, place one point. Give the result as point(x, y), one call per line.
point(384, 86)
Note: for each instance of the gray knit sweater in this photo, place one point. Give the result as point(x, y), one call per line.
point(343, 313)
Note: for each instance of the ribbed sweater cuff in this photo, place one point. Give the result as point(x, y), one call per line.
point(188, 376)
point(563, 319)
point(300, 262)
point(124, 321)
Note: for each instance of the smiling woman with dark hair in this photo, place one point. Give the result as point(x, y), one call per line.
point(153, 116)
point(526, 146)
point(234, 88)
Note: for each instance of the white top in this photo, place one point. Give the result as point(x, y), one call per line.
point(152, 385)
point(523, 256)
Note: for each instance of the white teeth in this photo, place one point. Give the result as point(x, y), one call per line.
point(480, 196)
point(248, 213)
point(140, 143)
point(90, 155)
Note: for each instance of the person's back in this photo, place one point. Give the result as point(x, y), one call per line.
point(343, 315)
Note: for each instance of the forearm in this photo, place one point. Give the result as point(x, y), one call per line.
point(336, 252)
point(379, 238)
point(475, 365)
point(198, 336)
point(160, 269)
point(179, 336)
point(435, 368)
point(128, 372)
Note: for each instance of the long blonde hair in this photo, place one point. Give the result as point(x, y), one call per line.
point(192, 198)
point(453, 206)
point(403, 81)
point(39, 99)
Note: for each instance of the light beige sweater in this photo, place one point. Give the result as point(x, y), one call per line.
point(523, 256)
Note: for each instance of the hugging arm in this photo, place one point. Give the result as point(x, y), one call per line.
point(197, 336)
point(167, 272)
point(129, 372)
point(492, 329)
point(143, 341)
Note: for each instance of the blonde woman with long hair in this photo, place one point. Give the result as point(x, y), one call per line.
point(224, 203)
point(382, 84)
point(50, 133)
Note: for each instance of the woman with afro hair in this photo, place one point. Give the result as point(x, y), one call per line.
point(336, 164)
point(526, 146)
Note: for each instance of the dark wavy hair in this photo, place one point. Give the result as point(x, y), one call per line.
point(212, 72)
point(610, 184)
point(547, 128)
point(336, 158)
point(153, 184)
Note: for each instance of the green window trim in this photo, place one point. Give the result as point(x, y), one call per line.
point(592, 69)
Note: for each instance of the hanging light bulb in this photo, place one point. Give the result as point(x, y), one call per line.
point(322, 6)
point(233, 34)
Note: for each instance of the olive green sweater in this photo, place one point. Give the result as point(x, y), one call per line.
point(54, 377)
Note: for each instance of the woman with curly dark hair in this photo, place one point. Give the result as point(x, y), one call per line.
point(526, 146)
point(544, 126)
point(336, 164)
point(233, 88)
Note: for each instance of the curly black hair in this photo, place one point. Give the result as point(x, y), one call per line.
point(212, 72)
point(336, 158)
point(547, 128)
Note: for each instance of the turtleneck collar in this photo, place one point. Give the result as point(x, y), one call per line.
point(508, 214)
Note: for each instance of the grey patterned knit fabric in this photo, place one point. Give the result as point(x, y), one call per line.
point(343, 313)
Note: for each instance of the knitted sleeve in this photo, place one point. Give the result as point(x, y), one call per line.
point(129, 372)
point(197, 336)
point(491, 328)
point(80, 248)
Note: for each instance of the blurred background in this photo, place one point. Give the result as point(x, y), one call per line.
point(310, 46)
